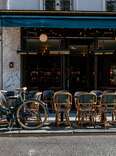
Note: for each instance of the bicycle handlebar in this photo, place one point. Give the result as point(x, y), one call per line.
point(21, 89)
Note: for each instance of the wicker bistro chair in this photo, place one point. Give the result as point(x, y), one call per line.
point(98, 93)
point(108, 105)
point(62, 105)
point(86, 109)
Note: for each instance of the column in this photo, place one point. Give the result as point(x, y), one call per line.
point(11, 60)
point(41, 4)
point(8, 4)
point(75, 5)
point(95, 66)
point(1, 58)
point(104, 5)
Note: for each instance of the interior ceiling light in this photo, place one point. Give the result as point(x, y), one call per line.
point(43, 38)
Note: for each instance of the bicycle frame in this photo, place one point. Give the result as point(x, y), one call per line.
point(18, 113)
point(10, 112)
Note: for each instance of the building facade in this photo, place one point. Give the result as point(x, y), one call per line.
point(76, 56)
point(75, 5)
point(3, 4)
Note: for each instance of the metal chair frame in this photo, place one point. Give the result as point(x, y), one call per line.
point(62, 105)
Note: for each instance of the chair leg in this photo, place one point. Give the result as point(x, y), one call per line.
point(67, 119)
point(103, 119)
point(77, 120)
point(114, 115)
point(92, 120)
point(78, 116)
point(57, 119)
point(62, 116)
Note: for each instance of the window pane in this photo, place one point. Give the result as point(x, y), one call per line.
point(65, 5)
point(49, 4)
point(111, 5)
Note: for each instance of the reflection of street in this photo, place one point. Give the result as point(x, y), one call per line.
point(59, 146)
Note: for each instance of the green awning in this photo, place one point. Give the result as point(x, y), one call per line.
point(58, 21)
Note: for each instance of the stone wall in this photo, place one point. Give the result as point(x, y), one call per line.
point(24, 4)
point(0, 58)
point(3, 4)
point(90, 5)
point(11, 60)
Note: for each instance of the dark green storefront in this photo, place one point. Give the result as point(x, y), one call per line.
point(91, 70)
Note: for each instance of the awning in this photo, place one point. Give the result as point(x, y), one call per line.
point(58, 21)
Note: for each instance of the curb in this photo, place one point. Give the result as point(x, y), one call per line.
point(40, 133)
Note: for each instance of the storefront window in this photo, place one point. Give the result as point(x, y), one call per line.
point(113, 75)
point(49, 4)
point(57, 4)
point(111, 5)
point(65, 5)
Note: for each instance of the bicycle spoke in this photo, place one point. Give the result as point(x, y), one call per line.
point(32, 114)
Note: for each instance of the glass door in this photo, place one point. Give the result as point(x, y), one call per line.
point(81, 73)
point(42, 72)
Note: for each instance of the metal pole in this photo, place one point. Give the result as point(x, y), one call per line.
point(1, 57)
point(95, 71)
point(95, 67)
point(63, 71)
point(68, 72)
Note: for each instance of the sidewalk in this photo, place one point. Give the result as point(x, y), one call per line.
point(50, 129)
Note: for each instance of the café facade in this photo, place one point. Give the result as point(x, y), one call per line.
point(58, 50)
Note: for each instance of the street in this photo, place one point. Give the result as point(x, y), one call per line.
point(99, 145)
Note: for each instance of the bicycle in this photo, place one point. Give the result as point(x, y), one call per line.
point(27, 113)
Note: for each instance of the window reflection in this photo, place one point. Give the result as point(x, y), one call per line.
point(113, 75)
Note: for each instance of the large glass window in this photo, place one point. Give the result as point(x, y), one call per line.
point(58, 4)
point(113, 75)
point(3, 4)
point(49, 4)
point(111, 5)
point(65, 5)
point(23, 4)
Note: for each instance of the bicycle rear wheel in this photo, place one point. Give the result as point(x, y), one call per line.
point(32, 114)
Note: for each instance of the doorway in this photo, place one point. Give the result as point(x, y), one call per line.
point(69, 72)
point(43, 71)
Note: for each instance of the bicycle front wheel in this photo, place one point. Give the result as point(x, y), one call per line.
point(32, 114)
